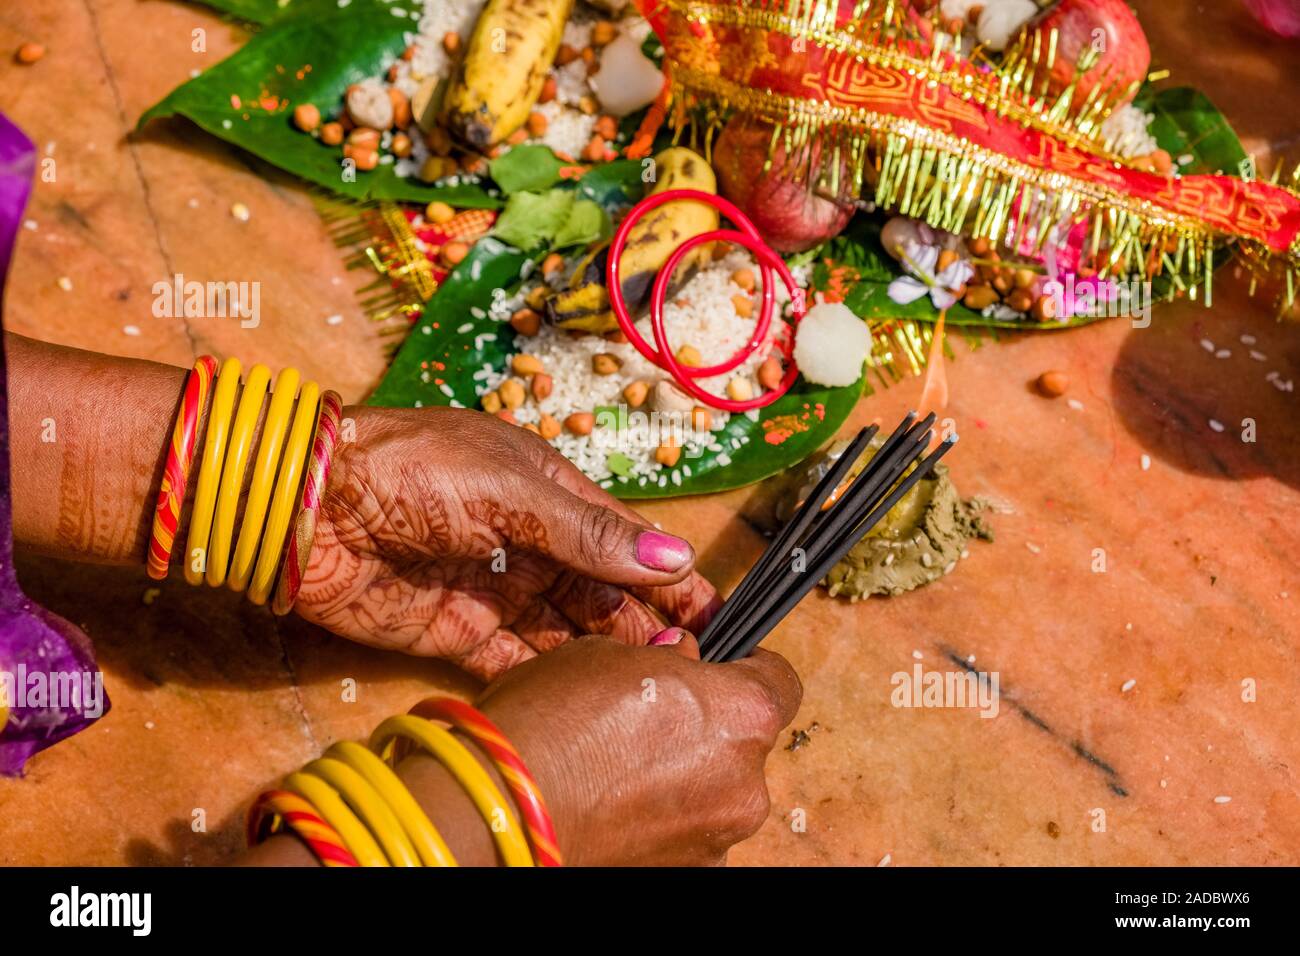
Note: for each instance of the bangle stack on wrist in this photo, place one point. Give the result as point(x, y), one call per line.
point(293, 452)
point(350, 807)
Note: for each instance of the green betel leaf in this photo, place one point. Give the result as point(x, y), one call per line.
point(310, 54)
point(532, 220)
point(782, 435)
point(568, 215)
point(457, 339)
point(587, 223)
point(1189, 127)
point(260, 12)
point(615, 184)
point(526, 168)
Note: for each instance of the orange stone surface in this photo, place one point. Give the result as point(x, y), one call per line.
point(215, 699)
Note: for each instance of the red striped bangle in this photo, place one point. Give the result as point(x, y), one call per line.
point(171, 494)
point(275, 808)
point(303, 532)
point(474, 724)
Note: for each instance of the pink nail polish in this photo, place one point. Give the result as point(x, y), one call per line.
point(667, 637)
point(663, 552)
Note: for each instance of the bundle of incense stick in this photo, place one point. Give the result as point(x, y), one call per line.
point(820, 535)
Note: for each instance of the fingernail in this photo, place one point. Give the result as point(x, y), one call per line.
point(668, 636)
point(663, 552)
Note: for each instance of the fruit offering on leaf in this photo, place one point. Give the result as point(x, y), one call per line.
point(505, 76)
point(948, 268)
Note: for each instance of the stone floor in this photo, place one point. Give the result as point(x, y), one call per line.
point(213, 699)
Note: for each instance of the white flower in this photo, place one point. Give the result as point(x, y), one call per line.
point(921, 260)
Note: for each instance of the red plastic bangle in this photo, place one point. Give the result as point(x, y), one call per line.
point(669, 362)
point(747, 236)
point(303, 533)
point(519, 780)
point(176, 474)
point(619, 304)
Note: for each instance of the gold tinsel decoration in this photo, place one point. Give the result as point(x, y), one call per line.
point(380, 237)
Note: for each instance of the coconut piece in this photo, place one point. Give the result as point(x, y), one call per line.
point(831, 345)
point(369, 104)
point(667, 397)
point(627, 80)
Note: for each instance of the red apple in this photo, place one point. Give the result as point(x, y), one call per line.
point(784, 208)
point(1109, 27)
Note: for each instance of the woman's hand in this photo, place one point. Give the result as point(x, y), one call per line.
point(645, 755)
point(448, 533)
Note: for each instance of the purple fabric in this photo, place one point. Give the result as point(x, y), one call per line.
point(48, 675)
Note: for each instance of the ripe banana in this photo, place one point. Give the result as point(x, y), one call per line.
point(585, 304)
point(499, 79)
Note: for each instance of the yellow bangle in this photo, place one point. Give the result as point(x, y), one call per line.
point(214, 453)
point(458, 760)
point(367, 804)
point(286, 493)
point(419, 828)
point(335, 812)
point(268, 457)
point(232, 476)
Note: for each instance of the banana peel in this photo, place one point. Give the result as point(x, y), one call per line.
point(584, 305)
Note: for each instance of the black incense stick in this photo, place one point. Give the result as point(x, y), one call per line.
point(823, 534)
point(881, 472)
point(793, 530)
point(806, 581)
point(791, 533)
point(809, 512)
point(751, 606)
point(846, 514)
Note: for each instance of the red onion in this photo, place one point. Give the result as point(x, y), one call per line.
point(789, 215)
